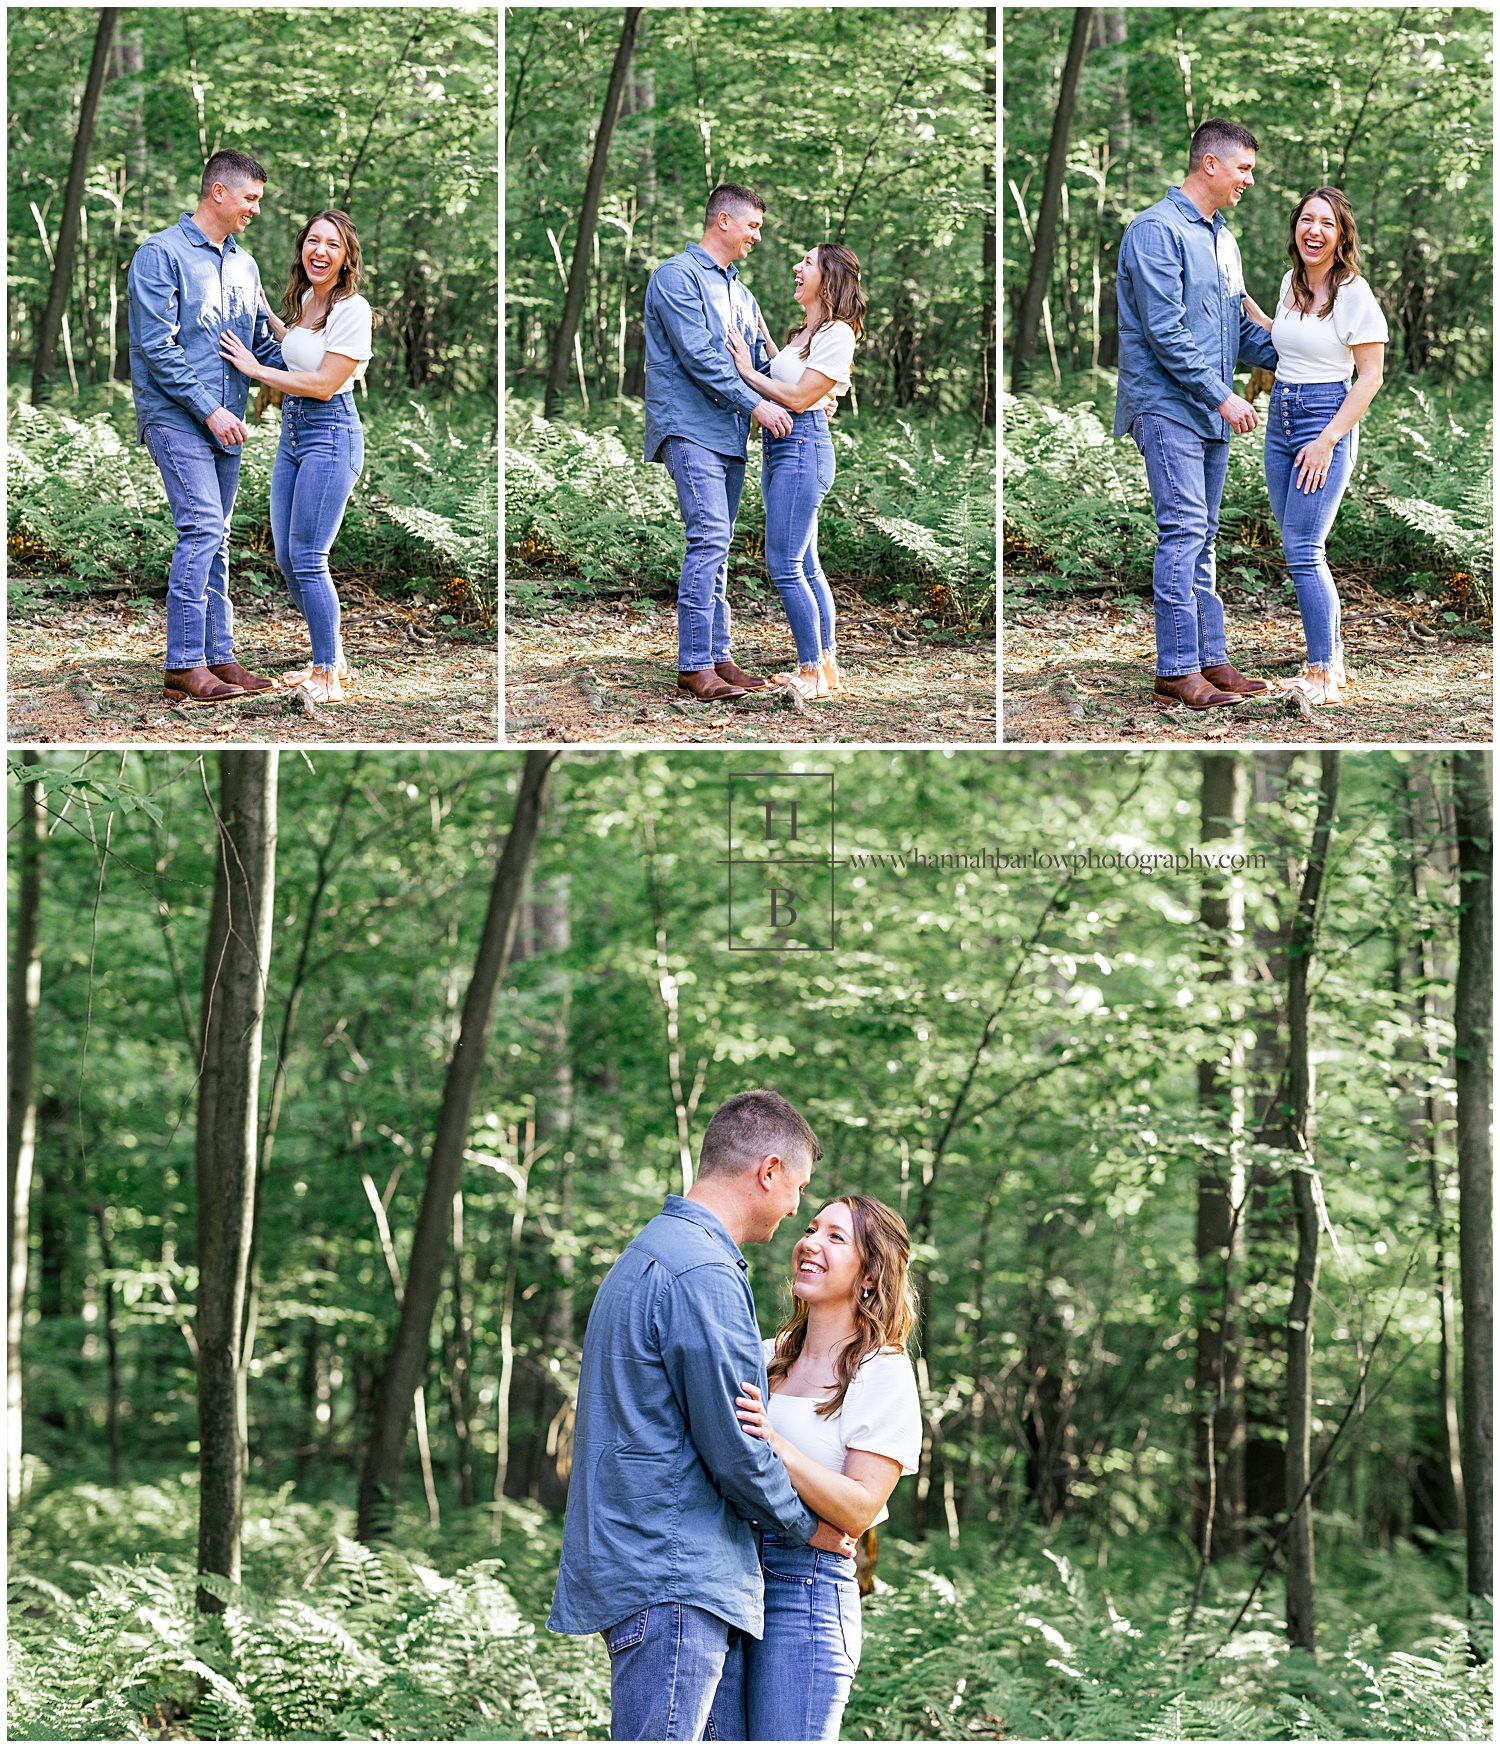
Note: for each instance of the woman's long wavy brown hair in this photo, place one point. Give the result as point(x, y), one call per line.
point(884, 1315)
point(1345, 264)
point(840, 294)
point(347, 283)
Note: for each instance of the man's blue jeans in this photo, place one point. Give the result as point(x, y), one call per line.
point(1299, 413)
point(321, 455)
point(664, 1668)
point(201, 480)
point(792, 1684)
point(1186, 474)
point(796, 472)
point(708, 494)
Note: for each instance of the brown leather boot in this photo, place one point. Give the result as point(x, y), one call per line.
point(1194, 691)
point(197, 686)
point(1228, 678)
point(736, 676)
point(706, 686)
point(234, 675)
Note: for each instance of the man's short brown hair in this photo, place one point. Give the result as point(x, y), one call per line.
point(1219, 137)
point(750, 1126)
point(731, 197)
point(230, 168)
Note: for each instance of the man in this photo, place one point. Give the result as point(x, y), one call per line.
point(698, 413)
point(188, 286)
point(668, 1492)
point(1182, 331)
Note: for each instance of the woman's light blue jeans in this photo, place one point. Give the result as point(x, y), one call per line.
point(792, 1684)
point(796, 472)
point(321, 456)
point(1299, 413)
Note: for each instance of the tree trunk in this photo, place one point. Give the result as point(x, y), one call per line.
point(987, 360)
point(1301, 1611)
point(588, 217)
point(460, 1354)
point(1472, 1005)
point(236, 962)
point(45, 355)
point(407, 1362)
point(111, 1351)
point(1023, 346)
point(1219, 1503)
point(25, 994)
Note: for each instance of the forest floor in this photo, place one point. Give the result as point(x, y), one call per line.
point(1082, 671)
point(89, 670)
point(609, 672)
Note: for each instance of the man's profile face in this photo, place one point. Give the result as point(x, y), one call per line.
point(1232, 174)
point(787, 1179)
point(239, 203)
point(740, 231)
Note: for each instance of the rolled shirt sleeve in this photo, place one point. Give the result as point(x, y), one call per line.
point(700, 349)
point(1157, 277)
point(156, 295)
point(710, 1347)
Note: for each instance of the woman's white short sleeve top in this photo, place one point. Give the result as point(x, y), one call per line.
point(831, 352)
point(1317, 348)
point(880, 1413)
point(348, 332)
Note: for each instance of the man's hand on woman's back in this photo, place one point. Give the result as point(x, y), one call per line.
point(831, 1539)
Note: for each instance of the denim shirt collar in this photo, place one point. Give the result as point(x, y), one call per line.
point(1188, 210)
point(704, 259)
point(187, 225)
point(680, 1208)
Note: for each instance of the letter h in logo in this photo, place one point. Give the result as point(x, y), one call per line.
point(781, 861)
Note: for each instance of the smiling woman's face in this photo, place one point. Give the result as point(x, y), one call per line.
point(809, 277)
point(1317, 231)
point(323, 253)
point(825, 1263)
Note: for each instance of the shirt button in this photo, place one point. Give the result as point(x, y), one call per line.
point(807, 1580)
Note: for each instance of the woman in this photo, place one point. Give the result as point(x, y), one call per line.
point(797, 470)
point(844, 1417)
point(1327, 321)
point(322, 451)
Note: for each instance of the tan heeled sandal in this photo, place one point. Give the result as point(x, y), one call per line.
point(1320, 685)
point(322, 685)
point(301, 676)
point(809, 681)
point(832, 677)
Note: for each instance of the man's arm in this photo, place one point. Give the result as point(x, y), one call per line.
point(263, 343)
point(699, 349)
point(1255, 344)
point(1156, 274)
point(156, 295)
point(709, 1343)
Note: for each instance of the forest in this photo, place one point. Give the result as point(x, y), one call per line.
point(869, 126)
point(390, 113)
point(1394, 106)
point(337, 1083)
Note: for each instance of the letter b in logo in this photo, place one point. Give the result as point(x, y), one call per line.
point(783, 907)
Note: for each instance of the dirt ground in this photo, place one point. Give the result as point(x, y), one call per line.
point(1083, 671)
point(609, 673)
point(90, 671)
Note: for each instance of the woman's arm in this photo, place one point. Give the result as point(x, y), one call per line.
point(852, 1500)
point(1314, 459)
point(771, 345)
point(809, 388)
point(321, 384)
point(1256, 314)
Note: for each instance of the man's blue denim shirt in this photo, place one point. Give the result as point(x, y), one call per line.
point(668, 1490)
point(185, 293)
point(1179, 287)
point(692, 387)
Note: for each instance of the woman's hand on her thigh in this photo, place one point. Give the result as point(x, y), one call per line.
point(1313, 461)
